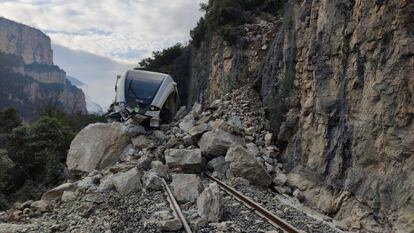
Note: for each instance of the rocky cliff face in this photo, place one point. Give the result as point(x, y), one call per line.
point(348, 120)
point(337, 81)
point(30, 82)
point(31, 44)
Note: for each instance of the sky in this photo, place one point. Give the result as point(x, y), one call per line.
point(120, 32)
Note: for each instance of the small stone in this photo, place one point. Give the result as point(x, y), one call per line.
point(41, 206)
point(299, 195)
point(144, 162)
point(142, 142)
point(249, 131)
point(187, 140)
point(253, 149)
point(268, 139)
point(171, 225)
point(160, 169)
point(68, 196)
point(187, 123)
point(152, 182)
point(280, 179)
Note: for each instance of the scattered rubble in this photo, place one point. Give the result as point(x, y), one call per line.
point(121, 187)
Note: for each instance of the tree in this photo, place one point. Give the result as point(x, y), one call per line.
point(9, 119)
point(32, 146)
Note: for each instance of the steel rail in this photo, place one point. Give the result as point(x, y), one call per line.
point(176, 208)
point(270, 217)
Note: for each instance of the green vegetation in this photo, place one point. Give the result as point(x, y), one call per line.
point(32, 157)
point(226, 17)
point(175, 61)
point(162, 58)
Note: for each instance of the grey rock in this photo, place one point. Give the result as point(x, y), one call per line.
point(253, 149)
point(219, 167)
point(41, 206)
point(142, 142)
point(159, 136)
point(198, 130)
point(181, 113)
point(136, 129)
point(127, 182)
point(144, 162)
point(186, 187)
point(210, 204)
point(187, 140)
point(55, 194)
point(299, 195)
point(86, 183)
point(197, 109)
point(171, 225)
point(98, 146)
point(187, 123)
point(245, 165)
point(68, 196)
point(106, 184)
point(189, 161)
point(268, 139)
point(280, 179)
point(152, 181)
point(235, 121)
point(215, 143)
point(160, 169)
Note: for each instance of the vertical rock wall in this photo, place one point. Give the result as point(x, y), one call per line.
point(347, 124)
point(29, 43)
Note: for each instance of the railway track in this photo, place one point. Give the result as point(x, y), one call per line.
point(176, 208)
point(259, 210)
point(274, 220)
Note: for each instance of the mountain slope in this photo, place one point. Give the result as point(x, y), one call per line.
point(30, 82)
point(91, 106)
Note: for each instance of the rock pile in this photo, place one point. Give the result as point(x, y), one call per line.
point(119, 162)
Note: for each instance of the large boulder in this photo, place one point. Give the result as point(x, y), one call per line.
point(215, 143)
point(210, 204)
point(243, 164)
point(186, 187)
point(98, 146)
point(184, 160)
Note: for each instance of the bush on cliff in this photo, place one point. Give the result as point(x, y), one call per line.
point(226, 17)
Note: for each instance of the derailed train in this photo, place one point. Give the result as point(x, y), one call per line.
point(147, 97)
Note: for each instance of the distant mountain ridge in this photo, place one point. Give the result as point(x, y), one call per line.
point(91, 106)
point(30, 82)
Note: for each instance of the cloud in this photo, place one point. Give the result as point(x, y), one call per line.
point(126, 30)
point(98, 72)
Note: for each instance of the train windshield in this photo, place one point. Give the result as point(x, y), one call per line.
point(141, 90)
